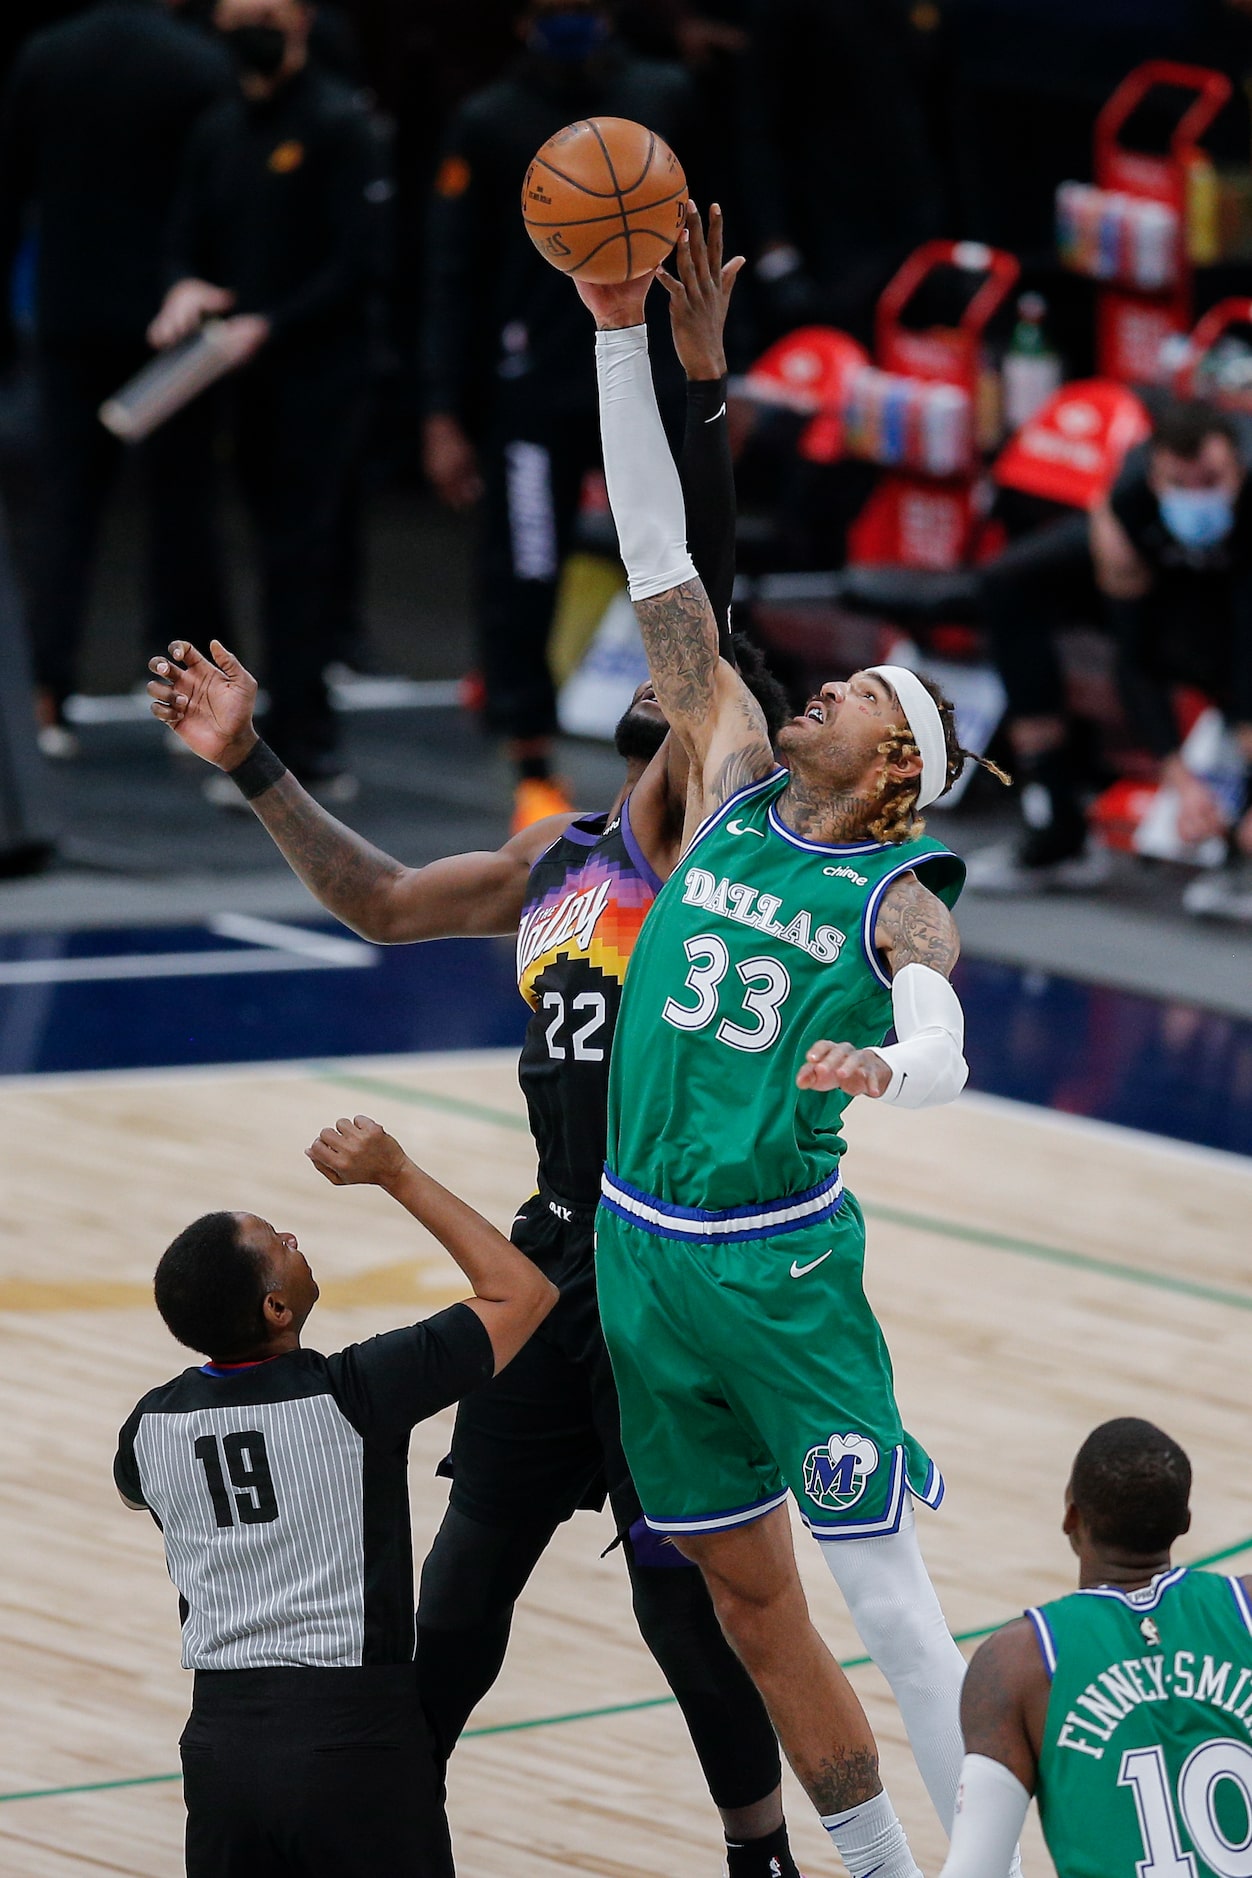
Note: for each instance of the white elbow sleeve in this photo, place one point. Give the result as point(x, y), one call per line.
point(645, 493)
point(927, 1062)
point(991, 1808)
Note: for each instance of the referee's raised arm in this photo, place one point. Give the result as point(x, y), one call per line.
point(511, 1295)
point(279, 1479)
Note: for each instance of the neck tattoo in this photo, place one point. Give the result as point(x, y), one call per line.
point(820, 815)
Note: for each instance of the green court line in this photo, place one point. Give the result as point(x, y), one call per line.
point(573, 1715)
point(893, 1215)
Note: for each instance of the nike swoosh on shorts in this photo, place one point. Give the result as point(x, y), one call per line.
point(798, 1271)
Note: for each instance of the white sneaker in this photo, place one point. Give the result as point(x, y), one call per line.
point(999, 869)
point(1223, 894)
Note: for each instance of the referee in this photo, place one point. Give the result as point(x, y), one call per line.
point(279, 1479)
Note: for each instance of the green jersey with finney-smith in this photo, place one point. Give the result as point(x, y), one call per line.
point(760, 944)
point(1145, 1768)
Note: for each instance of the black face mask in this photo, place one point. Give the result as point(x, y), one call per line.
point(257, 49)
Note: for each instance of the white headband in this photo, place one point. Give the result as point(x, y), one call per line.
point(925, 726)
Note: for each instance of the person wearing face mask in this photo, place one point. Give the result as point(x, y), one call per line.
point(277, 232)
point(508, 394)
point(1165, 566)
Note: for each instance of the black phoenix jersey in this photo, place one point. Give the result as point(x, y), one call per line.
point(587, 897)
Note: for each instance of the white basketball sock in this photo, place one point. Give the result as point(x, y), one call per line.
point(870, 1839)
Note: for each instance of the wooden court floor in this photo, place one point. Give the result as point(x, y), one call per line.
point(1034, 1276)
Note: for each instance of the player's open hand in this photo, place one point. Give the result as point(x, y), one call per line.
point(842, 1066)
point(207, 702)
point(616, 306)
point(358, 1153)
point(700, 295)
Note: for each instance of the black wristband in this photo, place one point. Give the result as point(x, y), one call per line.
point(706, 395)
point(259, 771)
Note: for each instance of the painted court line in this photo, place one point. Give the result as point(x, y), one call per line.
point(275, 947)
point(893, 1215)
point(573, 1715)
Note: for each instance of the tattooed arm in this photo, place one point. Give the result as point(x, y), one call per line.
point(915, 928)
point(917, 936)
point(719, 722)
point(208, 703)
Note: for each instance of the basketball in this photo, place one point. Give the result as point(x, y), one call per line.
point(604, 200)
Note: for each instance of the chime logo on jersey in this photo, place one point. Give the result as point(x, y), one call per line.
point(837, 1473)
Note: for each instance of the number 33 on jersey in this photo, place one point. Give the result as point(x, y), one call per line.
point(760, 944)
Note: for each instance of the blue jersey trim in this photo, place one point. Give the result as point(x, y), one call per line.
point(869, 918)
point(1240, 1595)
point(718, 1522)
point(1145, 1600)
point(780, 827)
point(741, 795)
point(932, 1493)
point(732, 1225)
point(711, 1215)
point(1047, 1642)
point(639, 860)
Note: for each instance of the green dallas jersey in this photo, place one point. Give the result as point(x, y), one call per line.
point(1146, 1765)
point(760, 944)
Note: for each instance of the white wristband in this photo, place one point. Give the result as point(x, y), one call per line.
point(927, 1063)
point(991, 1808)
point(645, 493)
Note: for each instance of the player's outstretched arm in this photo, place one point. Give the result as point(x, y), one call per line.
point(1002, 1703)
point(511, 1295)
point(706, 702)
point(926, 1065)
point(208, 703)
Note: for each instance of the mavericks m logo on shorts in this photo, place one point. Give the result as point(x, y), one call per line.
point(837, 1473)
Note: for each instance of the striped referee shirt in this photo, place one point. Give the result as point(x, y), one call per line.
point(281, 1490)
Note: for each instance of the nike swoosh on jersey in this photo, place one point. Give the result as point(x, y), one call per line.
point(716, 415)
point(736, 827)
point(798, 1271)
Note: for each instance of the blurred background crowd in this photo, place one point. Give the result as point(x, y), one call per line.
point(395, 476)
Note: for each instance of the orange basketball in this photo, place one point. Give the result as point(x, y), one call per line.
point(604, 199)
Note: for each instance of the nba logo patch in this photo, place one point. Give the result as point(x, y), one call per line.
point(837, 1473)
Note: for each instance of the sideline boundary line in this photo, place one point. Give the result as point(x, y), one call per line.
point(574, 1715)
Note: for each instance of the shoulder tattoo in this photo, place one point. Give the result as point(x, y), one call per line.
point(916, 928)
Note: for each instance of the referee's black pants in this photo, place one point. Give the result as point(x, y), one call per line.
point(312, 1773)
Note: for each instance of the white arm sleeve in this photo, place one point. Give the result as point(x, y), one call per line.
point(927, 1065)
point(645, 493)
point(991, 1808)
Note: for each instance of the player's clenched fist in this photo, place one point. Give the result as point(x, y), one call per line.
point(842, 1066)
point(358, 1153)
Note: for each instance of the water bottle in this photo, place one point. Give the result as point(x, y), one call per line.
point(1032, 370)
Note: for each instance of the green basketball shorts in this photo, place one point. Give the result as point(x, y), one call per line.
point(749, 1369)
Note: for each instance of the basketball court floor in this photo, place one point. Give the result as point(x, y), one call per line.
point(1036, 1272)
